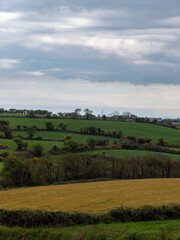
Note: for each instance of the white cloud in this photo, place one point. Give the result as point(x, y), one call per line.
point(8, 63)
point(132, 48)
point(31, 73)
point(70, 27)
point(173, 21)
point(55, 70)
point(8, 16)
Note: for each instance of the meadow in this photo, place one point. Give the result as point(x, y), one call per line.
point(47, 145)
point(97, 197)
point(128, 128)
point(158, 230)
point(61, 136)
point(131, 153)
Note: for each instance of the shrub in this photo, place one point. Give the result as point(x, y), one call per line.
point(62, 125)
point(135, 236)
point(68, 137)
point(37, 150)
point(49, 126)
point(31, 131)
point(71, 145)
point(91, 143)
point(21, 145)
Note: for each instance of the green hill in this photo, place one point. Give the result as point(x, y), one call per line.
point(129, 128)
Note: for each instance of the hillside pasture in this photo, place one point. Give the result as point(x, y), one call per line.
point(129, 128)
point(131, 153)
point(61, 136)
point(47, 145)
point(94, 197)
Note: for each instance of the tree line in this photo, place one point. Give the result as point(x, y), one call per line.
point(19, 172)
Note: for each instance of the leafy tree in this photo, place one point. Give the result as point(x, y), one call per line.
point(77, 111)
point(37, 150)
point(71, 145)
point(88, 114)
point(4, 123)
point(49, 126)
point(91, 143)
point(62, 125)
point(7, 132)
point(104, 117)
point(31, 131)
point(68, 137)
point(18, 127)
point(21, 145)
point(15, 172)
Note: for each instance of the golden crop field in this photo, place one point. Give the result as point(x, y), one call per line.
point(94, 197)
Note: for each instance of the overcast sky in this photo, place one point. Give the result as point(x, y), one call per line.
point(106, 55)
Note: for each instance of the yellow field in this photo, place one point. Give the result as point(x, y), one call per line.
point(93, 197)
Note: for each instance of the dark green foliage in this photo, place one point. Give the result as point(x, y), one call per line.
point(18, 172)
point(36, 218)
point(31, 131)
point(4, 123)
point(19, 127)
point(4, 154)
point(49, 126)
point(91, 143)
point(135, 236)
point(15, 172)
point(21, 145)
point(7, 132)
point(62, 126)
point(37, 150)
point(71, 145)
point(68, 137)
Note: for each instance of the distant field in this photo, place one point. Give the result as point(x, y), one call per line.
point(131, 153)
point(61, 135)
point(128, 128)
point(93, 197)
point(46, 145)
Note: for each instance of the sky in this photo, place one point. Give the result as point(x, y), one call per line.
point(118, 55)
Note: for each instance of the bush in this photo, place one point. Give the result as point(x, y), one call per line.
point(36, 218)
point(91, 143)
point(135, 236)
point(37, 150)
point(21, 145)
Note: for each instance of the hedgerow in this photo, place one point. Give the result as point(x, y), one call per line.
point(37, 218)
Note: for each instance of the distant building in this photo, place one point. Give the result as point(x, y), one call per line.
point(159, 120)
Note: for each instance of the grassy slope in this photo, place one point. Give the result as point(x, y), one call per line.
point(61, 135)
point(160, 230)
point(95, 197)
point(128, 128)
point(131, 153)
point(46, 145)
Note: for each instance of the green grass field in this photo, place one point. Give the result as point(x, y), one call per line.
point(131, 153)
point(46, 145)
point(159, 230)
point(128, 128)
point(61, 135)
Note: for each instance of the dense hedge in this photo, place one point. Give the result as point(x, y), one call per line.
point(36, 218)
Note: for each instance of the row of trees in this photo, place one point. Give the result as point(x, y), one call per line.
point(22, 172)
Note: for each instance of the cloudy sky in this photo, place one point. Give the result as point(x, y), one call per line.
point(106, 55)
